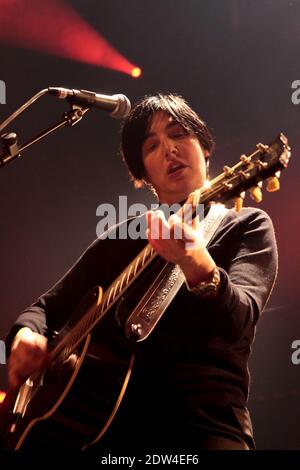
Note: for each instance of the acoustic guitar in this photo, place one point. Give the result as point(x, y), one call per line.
point(72, 400)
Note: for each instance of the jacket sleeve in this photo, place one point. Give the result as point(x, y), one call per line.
point(248, 280)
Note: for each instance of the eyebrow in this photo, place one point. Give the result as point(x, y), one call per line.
point(168, 126)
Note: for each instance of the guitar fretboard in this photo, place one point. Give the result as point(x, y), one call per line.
point(88, 322)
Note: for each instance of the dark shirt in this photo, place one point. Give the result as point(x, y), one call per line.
point(191, 375)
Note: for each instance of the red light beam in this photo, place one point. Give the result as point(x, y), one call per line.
point(53, 27)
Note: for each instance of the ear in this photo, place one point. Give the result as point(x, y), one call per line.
point(207, 161)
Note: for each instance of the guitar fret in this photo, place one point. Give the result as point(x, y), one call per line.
point(116, 288)
point(122, 281)
point(129, 274)
point(82, 328)
point(110, 294)
point(145, 255)
point(91, 320)
point(75, 338)
point(136, 265)
point(66, 352)
point(102, 306)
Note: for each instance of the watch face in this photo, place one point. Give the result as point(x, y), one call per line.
point(208, 289)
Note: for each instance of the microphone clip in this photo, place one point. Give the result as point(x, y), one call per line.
point(9, 141)
point(75, 114)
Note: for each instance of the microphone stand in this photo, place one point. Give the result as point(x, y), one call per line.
point(11, 148)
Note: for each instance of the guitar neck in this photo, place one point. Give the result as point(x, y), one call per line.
point(114, 292)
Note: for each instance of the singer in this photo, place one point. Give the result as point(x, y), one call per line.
point(189, 383)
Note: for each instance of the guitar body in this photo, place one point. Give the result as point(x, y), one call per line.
point(72, 402)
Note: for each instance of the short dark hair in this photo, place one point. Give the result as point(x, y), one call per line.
point(136, 125)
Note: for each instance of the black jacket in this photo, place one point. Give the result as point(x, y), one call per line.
point(192, 372)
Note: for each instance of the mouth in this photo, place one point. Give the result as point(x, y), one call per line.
point(174, 168)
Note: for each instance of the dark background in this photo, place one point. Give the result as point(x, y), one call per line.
point(234, 61)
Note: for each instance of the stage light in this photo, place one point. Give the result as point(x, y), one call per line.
point(136, 72)
point(2, 396)
point(53, 27)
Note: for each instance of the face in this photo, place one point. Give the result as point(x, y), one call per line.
point(173, 159)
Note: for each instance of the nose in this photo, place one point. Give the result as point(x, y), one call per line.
point(170, 148)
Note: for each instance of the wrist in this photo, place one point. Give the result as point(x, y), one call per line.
point(197, 267)
point(208, 289)
point(24, 331)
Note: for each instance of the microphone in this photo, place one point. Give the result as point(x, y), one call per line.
point(117, 105)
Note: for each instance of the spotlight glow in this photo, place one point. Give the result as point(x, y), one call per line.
point(136, 72)
point(2, 396)
point(53, 27)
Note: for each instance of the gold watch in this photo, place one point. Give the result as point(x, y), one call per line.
point(208, 289)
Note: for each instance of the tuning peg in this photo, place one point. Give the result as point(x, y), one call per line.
point(273, 183)
point(256, 193)
point(262, 148)
point(245, 159)
point(262, 165)
point(239, 201)
point(227, 170)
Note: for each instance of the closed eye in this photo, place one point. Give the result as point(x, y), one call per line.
point(177, 135)
point(177, 131)
point(151, 146)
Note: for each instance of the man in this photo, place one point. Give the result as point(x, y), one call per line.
point(189, 384)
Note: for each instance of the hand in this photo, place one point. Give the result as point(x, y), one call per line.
point(182, 244)
point(28, 354)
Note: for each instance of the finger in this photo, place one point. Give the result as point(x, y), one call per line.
point(13, 380)
point(16, 374)
point(197, 242)
point(155, 243)
point(184, 214)
point(188, 214)
point(187, 210)
point(161, 227)
point(149, 216)
point(196, 223)
point(181, 231)
point(196, 198)
point(152, 223)
point(176, 228)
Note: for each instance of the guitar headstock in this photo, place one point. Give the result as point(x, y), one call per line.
point(265, 163)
